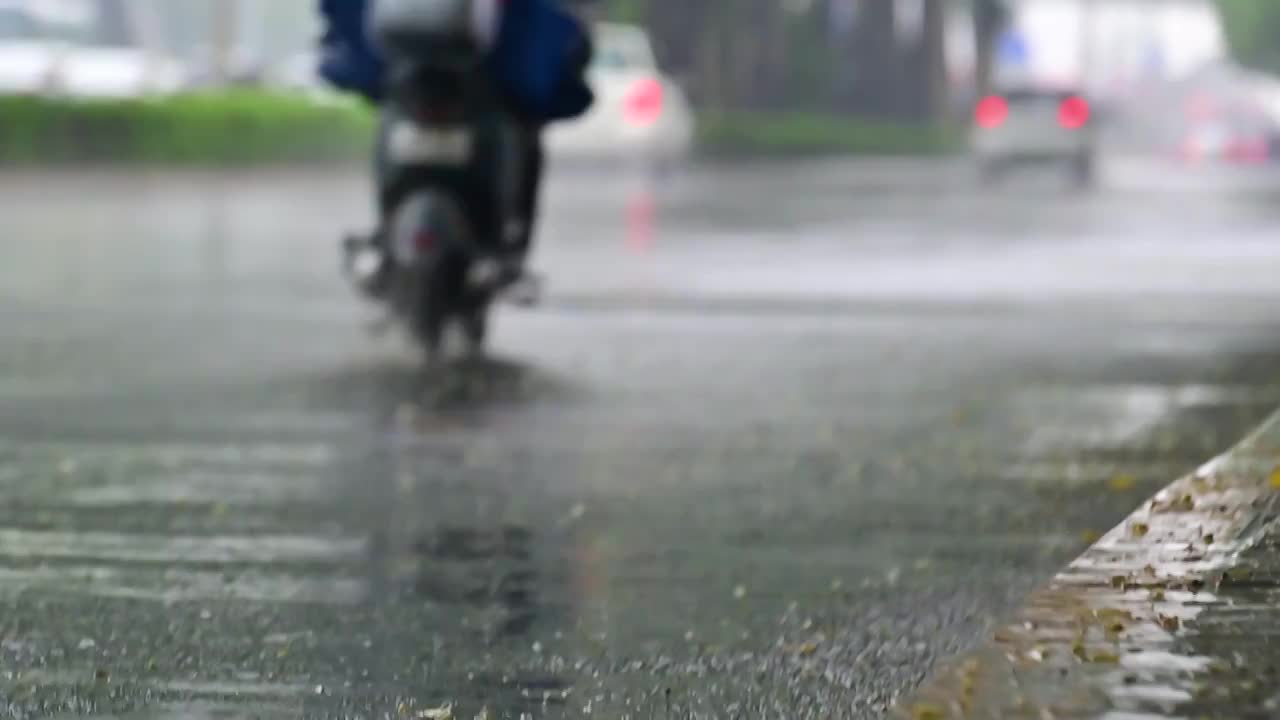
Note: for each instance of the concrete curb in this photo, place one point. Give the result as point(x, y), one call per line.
point(1121, 632)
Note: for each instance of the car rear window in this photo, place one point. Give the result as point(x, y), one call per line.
point(622, 50)
point(1035, 95)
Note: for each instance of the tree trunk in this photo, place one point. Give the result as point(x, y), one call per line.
point(115, 25)
point(225, 24)
point(989, 18)
point(690, 40)
point(678, 30)
point(771, 57)
point(878, 65)
point(933, 43)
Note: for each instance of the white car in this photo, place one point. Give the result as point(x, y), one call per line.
point(40, 56)
point(639, 114)
point(1027, 126)
point(299, 74)
point(26, 65)
point(116, 73)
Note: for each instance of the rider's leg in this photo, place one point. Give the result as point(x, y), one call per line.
point(366, 252)
point(527, 287)
point(531, 187)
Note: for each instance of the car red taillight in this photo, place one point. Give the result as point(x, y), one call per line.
point(644, 101)
point(1249, 150)
point(991, 112)
point(1073, 113)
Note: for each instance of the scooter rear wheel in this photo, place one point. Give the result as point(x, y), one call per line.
point(436, 302)
point(475, 329)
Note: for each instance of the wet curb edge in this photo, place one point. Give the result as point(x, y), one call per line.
point(1101, 638)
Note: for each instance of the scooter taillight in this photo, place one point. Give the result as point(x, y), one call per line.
point(424, 240)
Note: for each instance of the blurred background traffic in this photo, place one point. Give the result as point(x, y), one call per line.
point(1186, 79)
point(807, 405)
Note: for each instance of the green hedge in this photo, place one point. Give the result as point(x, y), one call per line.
point(245, 128)
point(825, 134)
point(211, 129)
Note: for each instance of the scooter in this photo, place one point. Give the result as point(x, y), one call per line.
point(448, 169)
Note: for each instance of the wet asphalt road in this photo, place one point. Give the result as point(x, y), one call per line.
point(779, 438)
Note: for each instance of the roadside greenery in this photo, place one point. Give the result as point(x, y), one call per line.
point(215, 129)
point(817, 133)
point(1253, 27)
point(249, 128)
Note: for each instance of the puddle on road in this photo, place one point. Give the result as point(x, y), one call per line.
point(471, 385)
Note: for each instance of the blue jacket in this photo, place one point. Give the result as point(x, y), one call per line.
point(539, 57)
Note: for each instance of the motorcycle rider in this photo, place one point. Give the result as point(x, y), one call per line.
point(538, 52)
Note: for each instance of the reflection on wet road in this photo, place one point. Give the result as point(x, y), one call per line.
point(779, 439)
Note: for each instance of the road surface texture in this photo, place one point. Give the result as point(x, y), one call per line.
point(779, 441)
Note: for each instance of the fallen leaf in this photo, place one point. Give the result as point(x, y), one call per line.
point(1181, 504)
point(1239, 574)
point(1139, 529)
point(1114, 615)
point(1122, 483)
point(928, 712)
point(1169, 622)
point(1275, 479)
point(1091, 536)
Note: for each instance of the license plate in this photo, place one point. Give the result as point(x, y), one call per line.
point(411, 143)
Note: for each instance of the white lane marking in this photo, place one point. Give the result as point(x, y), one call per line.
point(170, 585)
point(257, 550)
